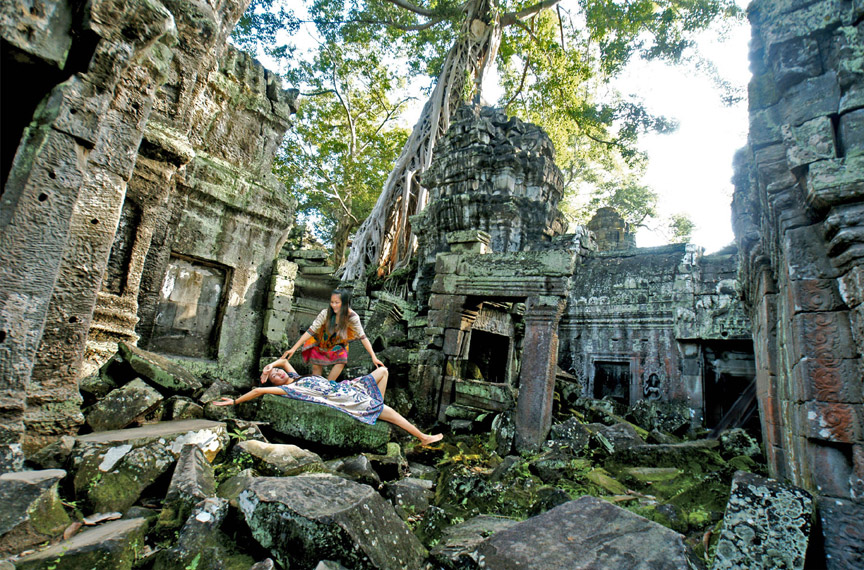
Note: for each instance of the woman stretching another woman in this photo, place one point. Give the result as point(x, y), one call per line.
point(361, 398)
point(325, 342)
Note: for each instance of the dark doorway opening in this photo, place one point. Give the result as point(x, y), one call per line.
point(489, 352)
point(730, 371)
point(612, 380)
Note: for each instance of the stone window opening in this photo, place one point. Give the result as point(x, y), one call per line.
point(612, 380)
point(191, 306)
point(487, 365)
point(487, 355)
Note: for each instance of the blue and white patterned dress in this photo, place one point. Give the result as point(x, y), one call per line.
point(360, 398)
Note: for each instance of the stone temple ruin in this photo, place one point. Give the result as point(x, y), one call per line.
point(138, 208)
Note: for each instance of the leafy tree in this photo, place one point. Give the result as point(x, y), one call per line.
point(344, 140)
point(556, 61)
point(680, 228)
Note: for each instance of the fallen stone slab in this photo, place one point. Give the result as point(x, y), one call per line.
point(112, 468)
point(689, 455)
point(201, 544)
point(409, 496)
point(54, 455)
point(670, 417)
point(280, 460)
point(322, 425)
point(110, 546)
point(31, 511)
point(391, 465)
point(159, 370)
point(308, 518)
point(182, 408)
point(123, 405)
point(458, 544)
point(586, 533)
point(357, 468)
point(192, 482)
point(766, 525)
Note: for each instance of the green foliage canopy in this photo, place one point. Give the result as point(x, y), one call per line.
point(556, 63)
point(344, 139)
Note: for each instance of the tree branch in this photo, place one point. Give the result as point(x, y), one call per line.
point(316, 93)
point(390, 114)
point(521, 83)
point(560, 26)
point(536, 40)
point(412, 7)
point(511, 18)
point(389, 23)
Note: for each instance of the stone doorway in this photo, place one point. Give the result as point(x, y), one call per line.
point(730, 371)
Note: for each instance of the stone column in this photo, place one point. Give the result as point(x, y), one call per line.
point(537, 375)
point(62, 200)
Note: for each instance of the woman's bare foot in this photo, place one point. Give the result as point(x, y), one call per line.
point(430, 439)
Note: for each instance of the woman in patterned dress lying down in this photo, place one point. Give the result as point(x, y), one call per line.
point(361, 398)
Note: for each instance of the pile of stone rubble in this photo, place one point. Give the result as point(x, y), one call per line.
point(165, 480)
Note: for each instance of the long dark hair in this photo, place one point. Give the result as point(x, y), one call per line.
point(338, 324)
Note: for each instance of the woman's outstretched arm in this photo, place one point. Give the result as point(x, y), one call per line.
point(250, 395)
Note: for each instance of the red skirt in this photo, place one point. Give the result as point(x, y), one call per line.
point(314, 355)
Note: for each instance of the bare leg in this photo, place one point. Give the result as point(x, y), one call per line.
point(380, 375)
point(388, 414)
point(317, 370)
point(335, 371)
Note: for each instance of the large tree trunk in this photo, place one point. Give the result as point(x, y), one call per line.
point(340, 239)
point(385, 238)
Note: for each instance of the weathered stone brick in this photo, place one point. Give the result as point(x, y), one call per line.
point(809, 142)
point(851, 133)
point(844, 545)
point(836, 181)
point(832, 421)
point(750, 539)
point(794, 61)
point(812, 98)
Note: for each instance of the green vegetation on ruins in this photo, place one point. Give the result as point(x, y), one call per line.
point(556, 61)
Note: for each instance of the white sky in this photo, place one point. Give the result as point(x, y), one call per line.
point(690, 168)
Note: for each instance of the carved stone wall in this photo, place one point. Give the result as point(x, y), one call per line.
point(799, 221)
point(129, 97)
point(226, 211)
point(637, 323)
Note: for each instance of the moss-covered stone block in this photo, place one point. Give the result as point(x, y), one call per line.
point(122, 406)
point(766, 525)
point(309, 518)
point(484, 395)
point(115, 545)
point(322, 425)
point(160, 370)
point(32, 511)
point(112, 468)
